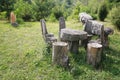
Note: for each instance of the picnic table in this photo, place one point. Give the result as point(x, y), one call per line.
point(73, 37)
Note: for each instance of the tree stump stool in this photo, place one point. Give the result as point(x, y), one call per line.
point(94, 53)
point(60, 54)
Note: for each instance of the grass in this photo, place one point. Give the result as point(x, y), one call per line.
point(24, 55)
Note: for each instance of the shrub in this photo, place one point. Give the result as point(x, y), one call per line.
point(57, 11)
point(52, 18)
point(19, 20)
point(115, 16)
point(94, 16)
point(102, 12)
point(2, 15)
point(24, 10)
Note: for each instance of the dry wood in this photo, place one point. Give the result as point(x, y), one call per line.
point(62, 25)
point(60, 53)
point(48, 37)
point(12, 17)
point(94, 54)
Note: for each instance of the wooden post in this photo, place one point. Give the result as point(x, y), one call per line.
point(13, 19)
point(94, 54)
point(59, 54)
point(62, 25)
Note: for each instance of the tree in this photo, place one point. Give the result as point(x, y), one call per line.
point(115, 16)
point(7, 5)
point(102, 11)
point(24, 10)
point(43, 8)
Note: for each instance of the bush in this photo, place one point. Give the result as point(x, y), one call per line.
point(58, 12)
point(19, 20)
point(24, 10)
point(94, 16)
point(115, 16)
point(102, 12)
point(52, 18)
point(2, 15)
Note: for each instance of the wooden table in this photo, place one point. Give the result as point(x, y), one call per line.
point(72, 37)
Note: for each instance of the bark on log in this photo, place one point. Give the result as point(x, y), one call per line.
point(73, 35)
point(73, 46)
point(62, 25)
point(60, 54)
point(94, 54)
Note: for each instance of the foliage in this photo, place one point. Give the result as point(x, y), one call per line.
point(43, 8)
point(24, 10)
point(32, 10)
point(58, 12)
point(115, 16)
point(7, 5)
point(103, 11)
point(2, 15)
point(52, 17)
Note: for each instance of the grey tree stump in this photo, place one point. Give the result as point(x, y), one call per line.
point(60, 54)
point(94, 53)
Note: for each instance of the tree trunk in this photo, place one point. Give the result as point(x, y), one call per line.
point(59, 54)
point(94, 54)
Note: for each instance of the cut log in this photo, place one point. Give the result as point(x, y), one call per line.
point(72, 35)
point(94, 53)
point(62, 25)
point(60, 54)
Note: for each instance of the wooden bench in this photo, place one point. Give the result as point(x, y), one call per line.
point(94, 28)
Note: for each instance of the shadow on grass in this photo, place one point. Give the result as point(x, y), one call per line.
point(111, 63)
point(78, 62)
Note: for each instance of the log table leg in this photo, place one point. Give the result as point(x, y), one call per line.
point(94, 53)
point(59, 54)
point(73, 46)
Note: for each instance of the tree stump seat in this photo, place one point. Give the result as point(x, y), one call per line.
point(94, 53)
point(60, 54)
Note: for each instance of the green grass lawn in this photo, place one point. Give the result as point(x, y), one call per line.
point(24, 56)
